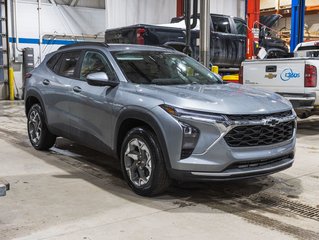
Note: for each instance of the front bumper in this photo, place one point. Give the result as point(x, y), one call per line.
point(228, 176)
point(218, 161)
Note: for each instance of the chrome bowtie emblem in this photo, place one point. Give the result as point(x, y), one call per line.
point(272, 122)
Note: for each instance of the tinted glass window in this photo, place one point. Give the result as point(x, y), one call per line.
point(52, 61)
point(240, 26)
point(68, 62)
point(312, 54)
point(94, 62)
point(304, 48)
point(163, 68)
point(221, 24)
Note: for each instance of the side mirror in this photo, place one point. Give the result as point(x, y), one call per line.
point(100, 79)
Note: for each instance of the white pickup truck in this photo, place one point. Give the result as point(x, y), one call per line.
point(294, 78)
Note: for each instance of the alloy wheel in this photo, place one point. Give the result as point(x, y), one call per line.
point(35, 127)
point(137, 162)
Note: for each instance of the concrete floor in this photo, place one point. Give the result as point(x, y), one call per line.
point(72, 192)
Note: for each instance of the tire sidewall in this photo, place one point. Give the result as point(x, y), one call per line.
point(38, 109)
point(156, 157)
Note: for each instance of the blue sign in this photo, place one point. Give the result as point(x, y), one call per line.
point(288, 74)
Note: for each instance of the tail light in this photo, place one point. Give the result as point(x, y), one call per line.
point(240, 78)
point(140, 36)
point(310, 76)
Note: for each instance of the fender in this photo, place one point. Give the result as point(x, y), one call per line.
point(36, 94)
point(149, 118)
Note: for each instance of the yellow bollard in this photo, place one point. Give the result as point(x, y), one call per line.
point(215, 69)
point(11, 84)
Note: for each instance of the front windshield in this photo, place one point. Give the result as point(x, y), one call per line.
point(163, 68)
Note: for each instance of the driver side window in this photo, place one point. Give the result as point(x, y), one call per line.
point(94, 62)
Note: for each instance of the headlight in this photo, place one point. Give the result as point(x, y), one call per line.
point(190, 133)
point(193, 115)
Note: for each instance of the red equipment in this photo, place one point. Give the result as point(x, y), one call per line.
point(253, 15)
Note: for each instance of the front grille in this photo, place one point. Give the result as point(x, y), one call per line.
point(259, 135)
point(258, 163)
point(258, 117)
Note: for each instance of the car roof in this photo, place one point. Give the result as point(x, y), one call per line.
point(116, 47)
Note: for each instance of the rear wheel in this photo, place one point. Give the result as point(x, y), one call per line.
point(142, 163)
point(39, 135)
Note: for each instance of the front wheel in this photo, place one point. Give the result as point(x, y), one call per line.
point(142, 163)
point(39, 134)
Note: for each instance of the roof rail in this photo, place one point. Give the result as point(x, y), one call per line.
point(79, 44)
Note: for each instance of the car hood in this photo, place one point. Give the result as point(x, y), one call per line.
point(218, 98)
point(270, 20)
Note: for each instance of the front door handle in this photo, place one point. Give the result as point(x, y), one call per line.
point(77, 89)
point(46, 82)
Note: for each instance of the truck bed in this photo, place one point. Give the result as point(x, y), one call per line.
point(294, 78)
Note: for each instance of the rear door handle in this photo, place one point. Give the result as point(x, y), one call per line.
point(46, 82)
point(77, 89)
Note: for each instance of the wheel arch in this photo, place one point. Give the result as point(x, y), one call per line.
point(32, 97)
point(134, 117)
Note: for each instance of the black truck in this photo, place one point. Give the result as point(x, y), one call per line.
point(228, 38)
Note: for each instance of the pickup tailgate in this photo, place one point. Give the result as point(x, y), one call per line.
point(281, 76)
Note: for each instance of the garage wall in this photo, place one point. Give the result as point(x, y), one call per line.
point(127, 12)
point(228, 7)
point(56, 19)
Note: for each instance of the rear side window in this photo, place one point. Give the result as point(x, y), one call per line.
point(221, 24)
point(53, 61)
point(68, 63)
point(240, 26)
point(307, 48)
point(312, 54)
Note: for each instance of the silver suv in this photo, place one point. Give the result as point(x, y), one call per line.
point(161, 113)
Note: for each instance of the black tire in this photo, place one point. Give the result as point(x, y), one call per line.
point(158, 180)
point(45, 139)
